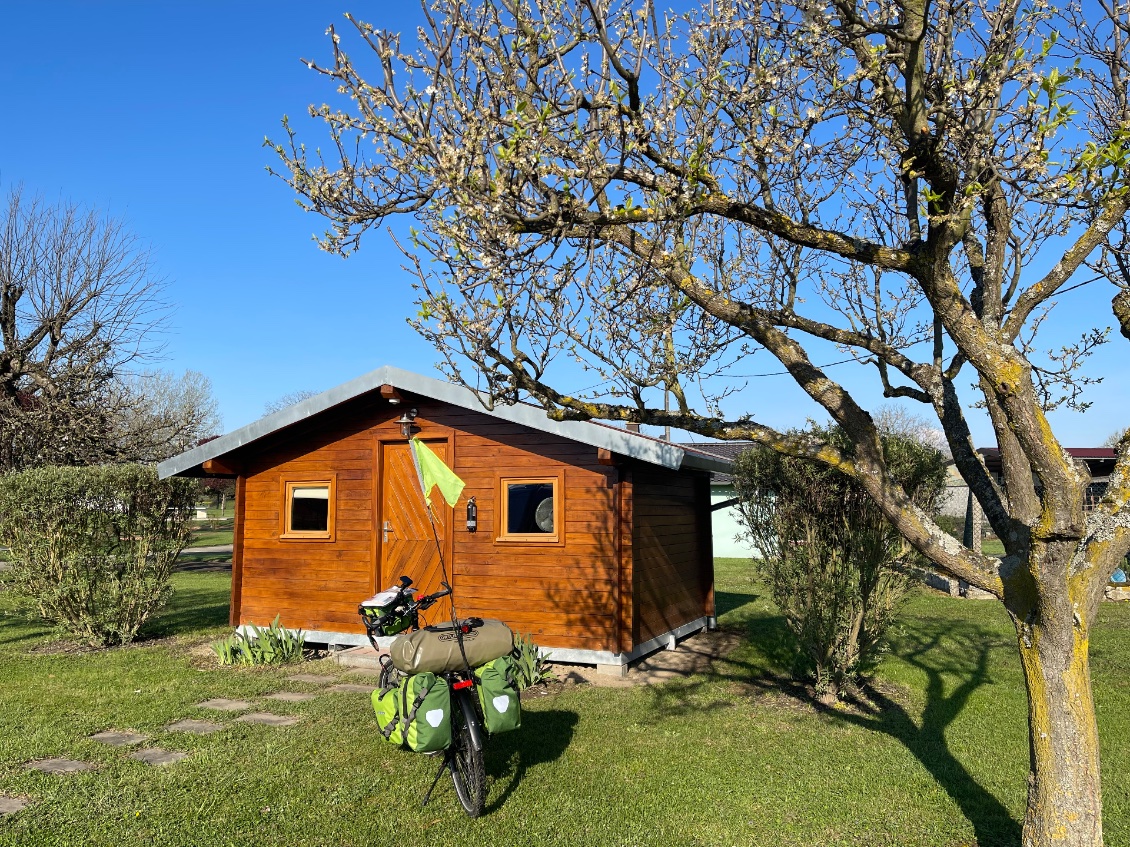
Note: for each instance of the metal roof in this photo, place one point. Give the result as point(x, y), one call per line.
point(619, 441)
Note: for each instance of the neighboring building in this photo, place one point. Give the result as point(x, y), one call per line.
point(730, 540)
point(1099, 462)
point(593, 539)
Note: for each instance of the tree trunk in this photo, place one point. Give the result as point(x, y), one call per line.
point(1064, 792)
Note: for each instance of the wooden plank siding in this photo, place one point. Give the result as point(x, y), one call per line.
point(671, 552)
point(565, 594)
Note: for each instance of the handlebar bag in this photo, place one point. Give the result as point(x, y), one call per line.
point(497, 686)
point(436, 648)
point(384, 613)
point(415, 714)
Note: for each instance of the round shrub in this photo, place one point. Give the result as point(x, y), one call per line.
point(91, 548)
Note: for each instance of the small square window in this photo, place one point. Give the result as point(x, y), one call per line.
point(308, 510)
point(531, 510)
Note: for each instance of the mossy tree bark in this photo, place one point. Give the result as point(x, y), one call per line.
point(1064, 789)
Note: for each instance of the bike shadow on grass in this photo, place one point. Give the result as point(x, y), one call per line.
point(543, 737)
point(953, 661)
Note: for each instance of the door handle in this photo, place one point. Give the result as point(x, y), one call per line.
point(385, 530)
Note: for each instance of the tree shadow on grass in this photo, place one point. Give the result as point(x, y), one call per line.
point(965, 658)
point(954, 662)
point(542, 738)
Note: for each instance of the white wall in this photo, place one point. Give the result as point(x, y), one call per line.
point(725, 526)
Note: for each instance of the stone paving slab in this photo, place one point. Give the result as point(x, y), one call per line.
point(223, 704)
point(268, 719)
point(291, 696)
point(312, 678)
point(156, 756)
point(11, 805)
point(59, 766)
point(118, 738)
point(352, 688)
point(194, 726)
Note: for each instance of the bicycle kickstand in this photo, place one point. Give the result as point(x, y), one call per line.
point(435, 782)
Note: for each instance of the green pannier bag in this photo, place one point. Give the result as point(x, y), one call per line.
point(498, 695)
point(416, 714)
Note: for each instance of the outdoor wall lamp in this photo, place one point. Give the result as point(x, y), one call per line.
point(472, 515)
point(406, 421)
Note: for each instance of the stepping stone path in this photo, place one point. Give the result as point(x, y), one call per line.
point(59, 766)
point(351, 688)
point(224, 705)
point(267, 719)
point(118, 739)
point(194, 726)
point(312, 678)
point(11, 805)
point(291, 696)
point(156, 756)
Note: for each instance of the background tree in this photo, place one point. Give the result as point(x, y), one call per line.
point(159, 414)
point(220, 489)
point(828, 555)
point(80, 306)
point(288, 400)
point(659, 195)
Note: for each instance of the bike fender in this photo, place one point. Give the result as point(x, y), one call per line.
point(472, 717)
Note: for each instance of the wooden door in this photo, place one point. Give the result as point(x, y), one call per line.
point(408, 543)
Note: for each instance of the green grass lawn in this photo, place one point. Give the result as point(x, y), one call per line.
point(736, 758)
point(210, 533)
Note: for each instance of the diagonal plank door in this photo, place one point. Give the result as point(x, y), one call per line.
point(408, 545)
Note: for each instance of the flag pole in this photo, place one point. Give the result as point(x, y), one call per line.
point(439, 546)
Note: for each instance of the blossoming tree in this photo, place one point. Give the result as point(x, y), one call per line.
point(659, 195)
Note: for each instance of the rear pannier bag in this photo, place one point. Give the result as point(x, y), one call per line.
point(498, 695)
point(436, 649)
point(416, 714)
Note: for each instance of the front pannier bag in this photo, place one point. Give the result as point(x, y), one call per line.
point(415, 714)
point(436, 648)
point(498, 695)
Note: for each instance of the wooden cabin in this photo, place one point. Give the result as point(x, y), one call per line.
point(594, 539)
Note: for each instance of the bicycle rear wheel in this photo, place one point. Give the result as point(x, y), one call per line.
point(467, 770)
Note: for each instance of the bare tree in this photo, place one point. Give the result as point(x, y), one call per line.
point(288, 400)
point(79, 302)
point(160, 414)
point(660, 195)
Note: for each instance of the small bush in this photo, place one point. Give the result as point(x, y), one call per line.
point(531, 664)
point(274, 645)
point(91, 549)
point(828, 554)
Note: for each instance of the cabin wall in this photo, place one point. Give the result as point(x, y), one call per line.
point(312, 585)
point(673, 566)
point(564, 593)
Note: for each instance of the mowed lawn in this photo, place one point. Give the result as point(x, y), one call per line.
point(737, 758)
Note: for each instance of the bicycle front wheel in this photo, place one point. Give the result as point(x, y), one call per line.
point(467, 770)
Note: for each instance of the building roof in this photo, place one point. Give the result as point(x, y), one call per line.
point(1100, 460)
point(620, 441)
point(727, 450)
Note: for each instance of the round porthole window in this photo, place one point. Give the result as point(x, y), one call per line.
point(543, 515)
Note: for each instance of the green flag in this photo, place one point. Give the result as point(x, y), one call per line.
point(434, 472)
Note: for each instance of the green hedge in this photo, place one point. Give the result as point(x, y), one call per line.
point(91, 549)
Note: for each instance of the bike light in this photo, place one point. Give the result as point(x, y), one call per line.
point(461, 684)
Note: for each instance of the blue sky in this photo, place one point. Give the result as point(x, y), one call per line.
point(156, 113)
